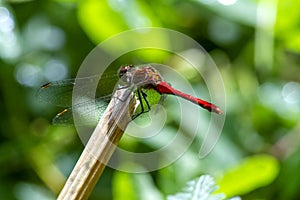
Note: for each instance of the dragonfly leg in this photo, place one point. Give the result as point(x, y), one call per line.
point(142, 95)
point(146, 100)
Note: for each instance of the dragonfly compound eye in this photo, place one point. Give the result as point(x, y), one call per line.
point(124, 69)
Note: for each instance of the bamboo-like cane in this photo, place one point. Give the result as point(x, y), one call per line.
point(100, 146)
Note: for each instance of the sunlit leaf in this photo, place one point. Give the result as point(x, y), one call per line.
point(102, 19)
point(254, 172)
point(123, 187)
point(287, 24)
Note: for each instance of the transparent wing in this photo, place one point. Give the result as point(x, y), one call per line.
point(60, 92)
point(87, 113)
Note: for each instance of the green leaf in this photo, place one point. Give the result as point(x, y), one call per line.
point(287, 24)
point(123, 187)
point(103, 19)
point(98, 20)
point(252, 173)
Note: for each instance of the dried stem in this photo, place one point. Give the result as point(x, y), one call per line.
point(100, 146)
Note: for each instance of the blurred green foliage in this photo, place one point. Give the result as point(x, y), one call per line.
point(255, 45)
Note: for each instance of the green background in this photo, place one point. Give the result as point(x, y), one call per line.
point(255, 45)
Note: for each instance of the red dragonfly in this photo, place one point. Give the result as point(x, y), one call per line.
point(147, 77)
point(136, 77)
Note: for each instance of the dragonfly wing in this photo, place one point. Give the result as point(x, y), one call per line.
point(87, 113)
point(60, 92)
point(65, 117)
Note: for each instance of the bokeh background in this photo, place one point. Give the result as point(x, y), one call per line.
point(255, 45)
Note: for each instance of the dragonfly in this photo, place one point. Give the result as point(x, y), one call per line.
point(137, 78)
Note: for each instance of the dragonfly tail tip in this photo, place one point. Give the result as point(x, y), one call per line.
point(218, 111)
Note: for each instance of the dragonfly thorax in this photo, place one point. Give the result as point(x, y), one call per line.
point(143, 77)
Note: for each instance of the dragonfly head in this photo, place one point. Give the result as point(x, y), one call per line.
point(124, 69)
